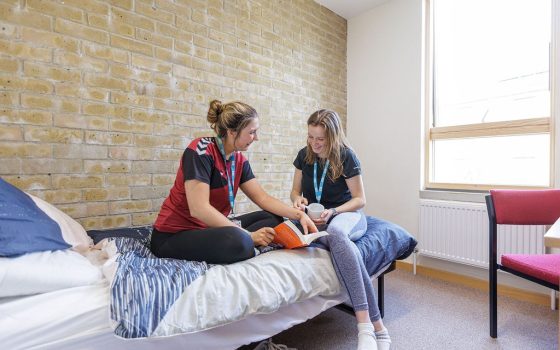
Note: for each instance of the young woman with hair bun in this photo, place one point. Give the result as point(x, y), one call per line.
point(197, 220)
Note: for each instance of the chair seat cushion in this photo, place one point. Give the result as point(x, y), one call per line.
point(543, 266)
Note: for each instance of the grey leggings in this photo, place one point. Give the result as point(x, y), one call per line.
point(348, 262)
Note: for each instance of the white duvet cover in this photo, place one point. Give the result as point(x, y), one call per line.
point(260, 285)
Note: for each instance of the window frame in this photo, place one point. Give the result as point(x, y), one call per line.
point(502, 128)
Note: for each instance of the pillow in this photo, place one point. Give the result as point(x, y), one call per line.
point(383, 243)
point(72, 232)
point(25, 228)
point(42, 272)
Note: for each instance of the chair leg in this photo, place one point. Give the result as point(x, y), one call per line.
point(492, 267)
point(553, 304)
point(380, 297)
point(493, 296)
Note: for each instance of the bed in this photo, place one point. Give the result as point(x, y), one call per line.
point(215, 307)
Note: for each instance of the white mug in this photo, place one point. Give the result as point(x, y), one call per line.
point(314, 210)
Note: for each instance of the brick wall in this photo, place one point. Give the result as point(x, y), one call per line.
point(98, 99)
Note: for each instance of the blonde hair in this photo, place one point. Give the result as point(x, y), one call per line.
point(335, 140)
point(230, 116)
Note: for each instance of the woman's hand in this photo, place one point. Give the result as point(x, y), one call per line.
point(325, 217)
point(263, 236)
point(307, 224)
point(300, 202)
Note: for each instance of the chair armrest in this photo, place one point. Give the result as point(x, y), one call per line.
point(552, 236)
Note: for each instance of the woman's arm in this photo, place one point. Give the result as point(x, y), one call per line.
point(198, 198)
point(296, 197)
point(254, 191)
point(358, 201)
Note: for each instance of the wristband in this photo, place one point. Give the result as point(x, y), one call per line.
point(334, 212)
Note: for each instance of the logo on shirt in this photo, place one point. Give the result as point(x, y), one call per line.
point(203, 145)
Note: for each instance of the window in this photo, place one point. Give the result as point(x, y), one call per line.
point(489, 94)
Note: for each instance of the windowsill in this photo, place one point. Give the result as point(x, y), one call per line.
point(448, 195)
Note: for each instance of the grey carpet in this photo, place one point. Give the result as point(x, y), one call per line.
point(425, 313)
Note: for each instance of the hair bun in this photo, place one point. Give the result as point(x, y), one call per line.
point(216, 106)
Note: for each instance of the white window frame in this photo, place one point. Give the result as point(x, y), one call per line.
point(503, 128)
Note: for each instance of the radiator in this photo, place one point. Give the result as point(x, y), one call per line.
point(458, 231)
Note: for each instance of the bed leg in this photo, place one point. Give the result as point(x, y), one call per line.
point(414, 261)
point(380, 296)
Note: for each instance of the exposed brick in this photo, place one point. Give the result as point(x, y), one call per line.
point(85, 63)
point(106, 166)
point(144, 219)
point(99, 99)
point(130, 180)
point(60, 196)
point(51, 166)
point(106, 222)
point(24, 150)
point(24, 17)
point(79, 151)
point(104, 194)
point(55, 9)
point(7, 30)
point(11, 133)
point(98, 7)
point(155, 12)
point(53, 135)
point(10, 166)
point(81, 121)
point(30, 182)
point(77, 181)
point(136, 153)
point(130, 206)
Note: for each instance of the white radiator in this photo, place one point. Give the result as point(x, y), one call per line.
point(458, 232)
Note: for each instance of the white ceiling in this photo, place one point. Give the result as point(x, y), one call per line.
point(349, 8)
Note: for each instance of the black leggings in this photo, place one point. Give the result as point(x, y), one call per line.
point(216, 245)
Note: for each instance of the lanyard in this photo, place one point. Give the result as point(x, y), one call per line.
point(319, 190)
point(232, 166)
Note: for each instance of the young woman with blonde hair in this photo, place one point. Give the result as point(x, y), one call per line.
point(197, 220)
point(328, 172)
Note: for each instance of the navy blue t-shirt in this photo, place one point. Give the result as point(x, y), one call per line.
point(334, 193)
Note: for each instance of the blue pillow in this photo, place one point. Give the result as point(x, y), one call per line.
point(24, 228)
point(383, 243)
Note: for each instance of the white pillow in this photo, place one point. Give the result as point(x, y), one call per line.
point(42, 272)
point(72, 232)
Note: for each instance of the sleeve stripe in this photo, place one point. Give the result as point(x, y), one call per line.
point(202, 145)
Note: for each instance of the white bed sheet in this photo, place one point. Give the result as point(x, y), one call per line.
point(77, 318)
point(29, 321)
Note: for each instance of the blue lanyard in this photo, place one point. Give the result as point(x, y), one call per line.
point(232, 166)
point(319, 190)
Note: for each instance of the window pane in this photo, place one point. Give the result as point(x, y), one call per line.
point(521, 160)
point(491, 60)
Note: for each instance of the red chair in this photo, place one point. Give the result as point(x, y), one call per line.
point(521, 207)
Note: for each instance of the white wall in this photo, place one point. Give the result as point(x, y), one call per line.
point(385, 116)
point(385, 106)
